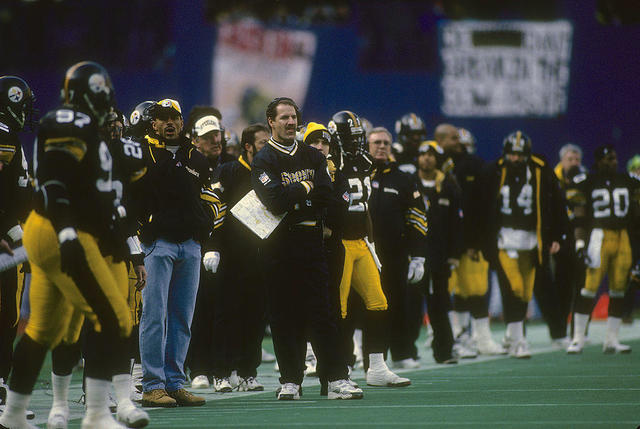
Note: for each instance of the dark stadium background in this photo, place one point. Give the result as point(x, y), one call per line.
point(378, 58)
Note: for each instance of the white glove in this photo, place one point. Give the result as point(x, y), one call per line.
point(210, 260)
point(416, 269)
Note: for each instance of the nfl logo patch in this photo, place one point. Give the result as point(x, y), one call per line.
point(264, 178)
point(345, 196)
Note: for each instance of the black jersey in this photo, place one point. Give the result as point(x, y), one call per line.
point(357, 171)
point(609, 201)
point(516, 198)
point(73, 170)
point(280, 176)
point(14, 184)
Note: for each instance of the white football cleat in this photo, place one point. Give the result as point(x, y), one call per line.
point(614, 347)
point(58, 418)
point(103, 421)
point(575, 347)
point(385, 377)
point(343, 389)
point(268, 357)
point(520, 350)
point(200, 382)
point(132, 416)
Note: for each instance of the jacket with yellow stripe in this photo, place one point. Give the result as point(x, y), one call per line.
point(179, 202)
point(15, 191)
point(73, 168)
point(397, 211)
point(548, 218)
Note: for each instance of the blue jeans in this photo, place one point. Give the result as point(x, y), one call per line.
point(168, 300)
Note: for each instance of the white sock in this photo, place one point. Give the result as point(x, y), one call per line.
point(463, 320)
point(15, 409)
point(613, 327)
point(480, 328)
point(60, 388)
point(515, 331)
point(376, 362)
point(122, 388)
point(580, 326)
point(96, 397)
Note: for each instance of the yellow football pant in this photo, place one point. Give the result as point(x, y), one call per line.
point(615, 260)
point(470, 278)
point(360, 271)
point(520, 272)
point(59, 305)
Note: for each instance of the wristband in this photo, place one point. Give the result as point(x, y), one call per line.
point(15, 233)
point(67, 234)
point(134, 245)
point(580, 244)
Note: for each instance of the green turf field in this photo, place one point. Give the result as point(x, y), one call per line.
point(550, 390)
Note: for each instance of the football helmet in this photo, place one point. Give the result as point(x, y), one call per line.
point(410, 130)
point(140, 120)
point(347, 129)
point(87, 87)
point(467, 140)
point(517, 142)
point(16, 102)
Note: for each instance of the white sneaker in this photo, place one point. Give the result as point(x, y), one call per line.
point(575, 347)
point(520, 350)
point(490, 347)
point(132, 416)
point(21, 425)
point(408, 363)
point(560, 343)
point(385, 377)
point(222, 385)
point(250, 384)
point(103, 421)
point(268, 357)
point(234, 380)
point(289, 392)
point(311, 369)
point(342, 389)
point(614, 347)
point(200, 382)
point(462, 352)
point(58, 418)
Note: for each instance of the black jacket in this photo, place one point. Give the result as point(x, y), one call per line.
point(397, 212)
point(15, 191)
point(177, 187)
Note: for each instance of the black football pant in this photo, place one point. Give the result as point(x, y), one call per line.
point(553, 303)
point(244, 311)
point(436, 288)
point(405, 304)
point(205, 349)
point(8, 319)
point(297, 281)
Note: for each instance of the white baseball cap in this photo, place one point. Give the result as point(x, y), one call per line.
point(205, 125)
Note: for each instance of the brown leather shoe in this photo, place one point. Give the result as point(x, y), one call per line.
point(158, 398)
point(186, 399)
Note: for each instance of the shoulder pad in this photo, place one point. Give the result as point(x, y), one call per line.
point(132, 156)
point(67, 130)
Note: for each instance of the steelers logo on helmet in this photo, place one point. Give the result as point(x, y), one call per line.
point(98, 84)
point(331, 126)
point(517, 142)
point(135, 117)
point(15, 94)
point(165, 103)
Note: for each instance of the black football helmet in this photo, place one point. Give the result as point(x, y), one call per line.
point(87, 87)
point(16, 102)
point(410, 130)
point(348, 131)
point(140, 120)
point(517, 142)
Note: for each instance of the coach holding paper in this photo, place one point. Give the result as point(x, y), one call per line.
point(293, 178)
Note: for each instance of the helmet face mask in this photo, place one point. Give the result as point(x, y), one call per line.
point(87, 87)
point(346, 128)
point(411, 131)
point(16, 102)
